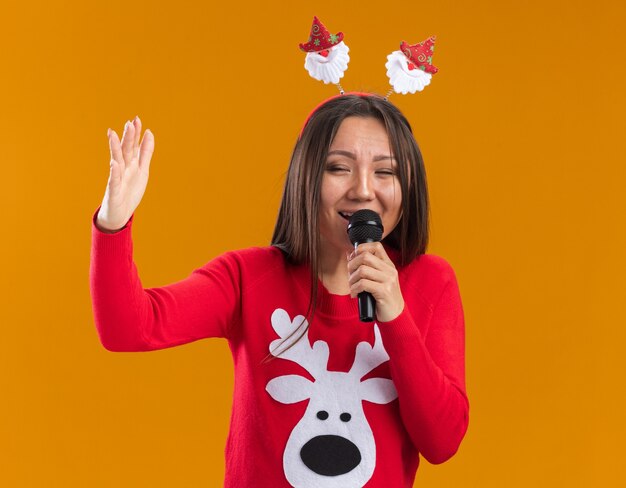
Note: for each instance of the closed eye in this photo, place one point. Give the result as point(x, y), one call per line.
point(336, 169)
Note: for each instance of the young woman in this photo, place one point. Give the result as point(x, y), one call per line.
point(320, 398)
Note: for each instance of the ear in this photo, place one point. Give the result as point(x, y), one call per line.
point(289, 388)
point(378, 390)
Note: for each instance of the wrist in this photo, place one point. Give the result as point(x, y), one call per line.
point(388, 315)
point(107, 229)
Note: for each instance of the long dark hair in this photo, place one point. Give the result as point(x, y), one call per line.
point(296, 231)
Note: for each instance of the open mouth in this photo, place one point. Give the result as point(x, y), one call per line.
point(346, 215)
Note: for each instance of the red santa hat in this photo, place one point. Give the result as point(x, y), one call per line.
point(320, 39)
point(420, 55)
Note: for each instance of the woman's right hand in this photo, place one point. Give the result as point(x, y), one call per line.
point(128, 177)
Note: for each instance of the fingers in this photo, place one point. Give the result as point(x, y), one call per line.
point(369, 286)
point(366, 273)
point(372, 268)
point(115, 176)
point(128, 139)
point(388, 296)
point(129, 148)
point(370, 254)
point(115, 147)
point(375, 248)
point(145, 150)
point(137, 124)
point(364, 260)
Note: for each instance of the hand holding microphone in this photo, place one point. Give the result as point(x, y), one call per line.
point(373, 276)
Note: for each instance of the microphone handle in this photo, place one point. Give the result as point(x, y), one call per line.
point(367, 304)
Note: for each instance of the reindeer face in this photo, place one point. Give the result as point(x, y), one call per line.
point(333, 444)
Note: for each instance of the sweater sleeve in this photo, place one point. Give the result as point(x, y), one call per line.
point(131, 318)
point(429, 374)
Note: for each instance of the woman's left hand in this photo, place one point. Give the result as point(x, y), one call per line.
point(370, 269)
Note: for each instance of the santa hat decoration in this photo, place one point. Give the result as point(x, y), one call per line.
point(411, 69)
point(327, 56)
point(320, 39)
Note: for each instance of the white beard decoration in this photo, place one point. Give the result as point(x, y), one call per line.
point(330, 68)
point(403, 79)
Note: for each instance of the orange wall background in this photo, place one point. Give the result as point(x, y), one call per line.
point(521, 130)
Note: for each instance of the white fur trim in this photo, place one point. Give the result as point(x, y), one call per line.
point(401, 78)
point(331, 68)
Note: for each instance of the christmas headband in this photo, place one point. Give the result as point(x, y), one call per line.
point(409, 70)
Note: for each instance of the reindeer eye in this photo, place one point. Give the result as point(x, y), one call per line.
point(345, 417)
point(322, 415)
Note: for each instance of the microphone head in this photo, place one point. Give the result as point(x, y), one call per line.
point(365, 226)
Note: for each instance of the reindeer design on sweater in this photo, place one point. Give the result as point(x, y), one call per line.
point(333, 445)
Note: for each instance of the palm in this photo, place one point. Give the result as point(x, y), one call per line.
point(130, 165)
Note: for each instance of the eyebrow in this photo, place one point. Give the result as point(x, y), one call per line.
point(348, 154)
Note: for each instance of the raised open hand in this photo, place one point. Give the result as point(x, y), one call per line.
point(128, 178)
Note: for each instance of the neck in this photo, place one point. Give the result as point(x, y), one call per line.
point(334, 271)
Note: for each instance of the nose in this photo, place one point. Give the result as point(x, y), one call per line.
point(330, 455)
point(362, 188)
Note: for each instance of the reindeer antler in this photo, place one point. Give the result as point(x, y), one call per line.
point(367, 357)
point(313, 359)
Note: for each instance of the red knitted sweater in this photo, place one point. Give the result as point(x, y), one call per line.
point(349, 405)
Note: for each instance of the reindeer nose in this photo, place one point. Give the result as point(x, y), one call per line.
point(330, 455)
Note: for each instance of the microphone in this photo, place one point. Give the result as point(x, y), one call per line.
point(365, 226)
